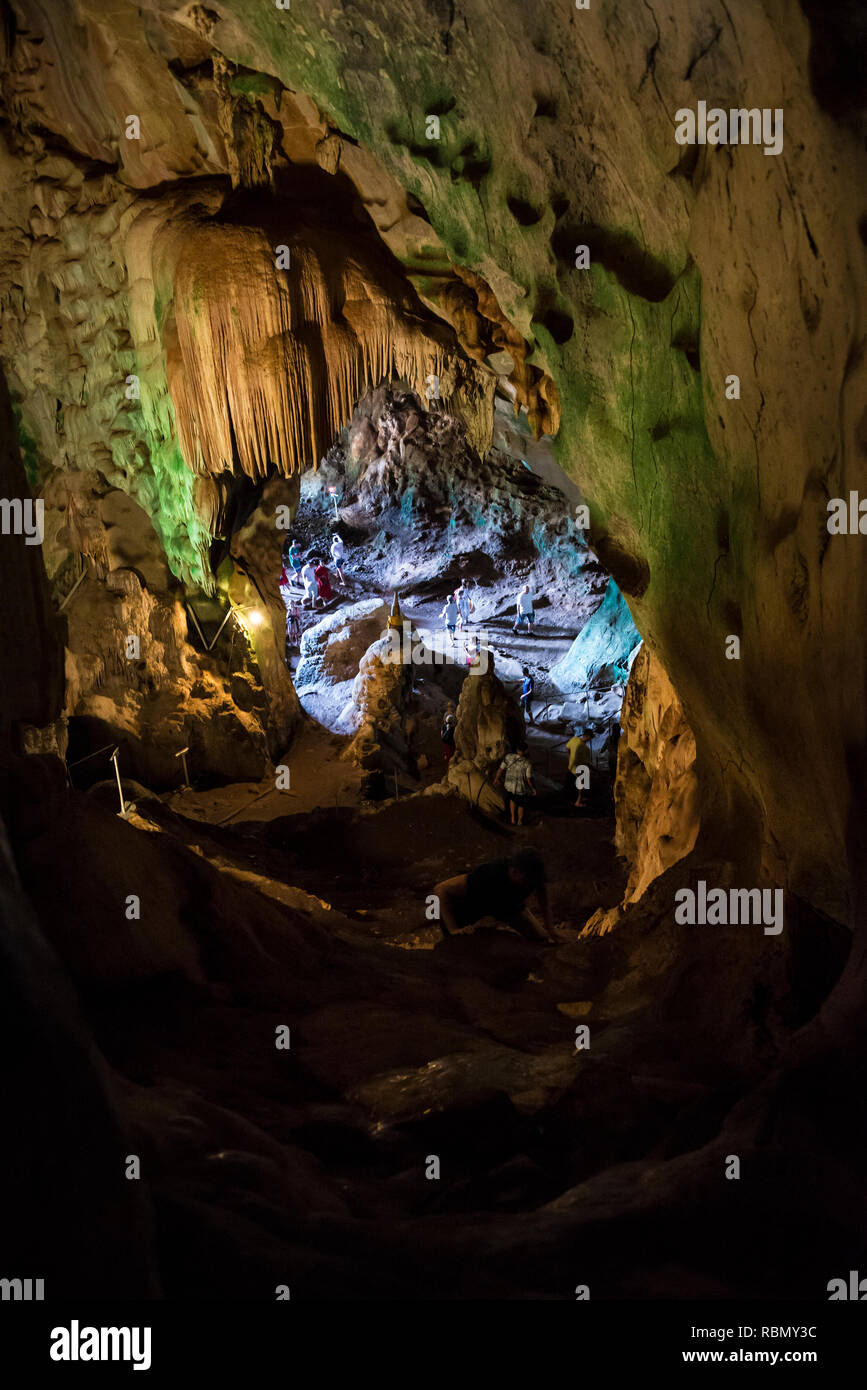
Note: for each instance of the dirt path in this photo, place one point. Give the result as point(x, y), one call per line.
point(378, 865)
point(317, 779)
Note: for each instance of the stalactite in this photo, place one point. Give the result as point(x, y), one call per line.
point(482, 327)
point(248, 133)
point(270, 362)
point(85, 538)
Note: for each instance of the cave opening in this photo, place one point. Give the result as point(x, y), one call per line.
point(366, 554)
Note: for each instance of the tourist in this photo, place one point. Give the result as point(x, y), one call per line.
point(447, 732)
point(323, 582)
point(293, 625)
point(527, 690)
point(578, 752)
point(498, 889)
point(524, 609)
point(289, 604)
point(516, 773)
point(465, 605)
point(292, 555)
point(286, 584)
point(450, 613)
point(308, 575)
point(337, 551)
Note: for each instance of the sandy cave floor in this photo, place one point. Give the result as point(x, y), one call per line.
point(372, 860)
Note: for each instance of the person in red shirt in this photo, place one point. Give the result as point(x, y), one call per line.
point(323, 581)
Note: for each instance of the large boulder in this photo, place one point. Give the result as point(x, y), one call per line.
point(332, 648)
point(602, 650)
point(331, 651)
point(488, 725)
point(487, 720)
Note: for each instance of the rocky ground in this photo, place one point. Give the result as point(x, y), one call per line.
point(308, 1165)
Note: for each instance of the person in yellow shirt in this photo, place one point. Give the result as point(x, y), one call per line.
point(579, 756)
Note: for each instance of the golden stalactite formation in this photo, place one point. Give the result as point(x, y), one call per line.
point(483, 328)
point(265, 363)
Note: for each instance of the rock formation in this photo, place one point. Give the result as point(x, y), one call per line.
point(657, 447)
point(656, 790)
point(509, 205)
point(331, 651)
point(602, 650)
point(488, 724)
point(380, 694)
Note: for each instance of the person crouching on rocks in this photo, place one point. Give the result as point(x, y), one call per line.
point(498, 889)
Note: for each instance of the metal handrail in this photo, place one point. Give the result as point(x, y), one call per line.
point(87, 756)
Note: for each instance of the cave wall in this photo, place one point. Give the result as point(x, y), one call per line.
point(602, 649)
point(62, 1159)
point(30, 634)
point(149, 328)
point(656, 792)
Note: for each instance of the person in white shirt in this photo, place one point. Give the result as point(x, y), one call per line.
point(337, 552)
point(465, 606)
point(308, 576)
point(524, 609)
point(450, 613)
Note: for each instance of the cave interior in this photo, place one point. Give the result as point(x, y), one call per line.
point(437, 294)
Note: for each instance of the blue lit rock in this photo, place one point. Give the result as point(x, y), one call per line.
point(601, 653)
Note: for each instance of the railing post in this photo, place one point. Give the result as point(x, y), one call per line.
point(119, 787)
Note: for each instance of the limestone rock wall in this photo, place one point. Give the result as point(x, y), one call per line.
point(112, 589)
point(656, 790)
point(68, 1211)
